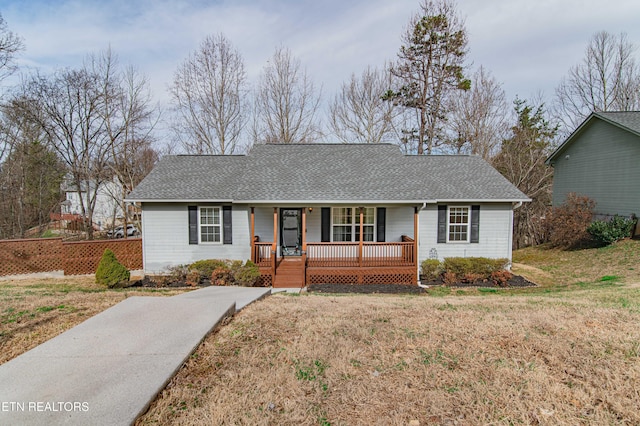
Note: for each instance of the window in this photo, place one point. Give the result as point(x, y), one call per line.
point(345, 224)
point(210, 225)
point(458, 227)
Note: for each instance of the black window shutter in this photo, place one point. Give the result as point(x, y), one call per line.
point(475, 224)
point(193, 224)
point(226, 225)
point(442, 224)
point(325, 233)
point(381, 220)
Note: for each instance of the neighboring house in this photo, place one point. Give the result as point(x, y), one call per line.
point(108, 198)
point(601, 160)
point(298, 211)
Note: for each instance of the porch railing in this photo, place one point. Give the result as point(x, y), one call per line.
point(348, 254)
point(262, 253)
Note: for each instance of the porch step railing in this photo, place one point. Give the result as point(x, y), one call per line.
point(262, 253)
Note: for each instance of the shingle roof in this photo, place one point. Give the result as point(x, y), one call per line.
point(324, 173)
point(627, 120)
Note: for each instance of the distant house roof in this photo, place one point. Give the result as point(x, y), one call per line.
point(337, 173)
point(626, 120)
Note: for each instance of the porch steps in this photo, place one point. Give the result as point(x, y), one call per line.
point(290, 273)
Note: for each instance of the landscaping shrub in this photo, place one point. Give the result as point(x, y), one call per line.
point(471, 269)
point(568, 223)
point(246, 275)
point(110, 272)
point(431, 269)
point(207, 266)
point(193, 278)
point(221, 275)
point(178, 273)
point(500, 278)
point(607, 232)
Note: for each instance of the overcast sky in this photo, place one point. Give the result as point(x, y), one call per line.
point(527, 45)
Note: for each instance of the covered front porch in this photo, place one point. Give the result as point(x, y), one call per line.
point(286, 259)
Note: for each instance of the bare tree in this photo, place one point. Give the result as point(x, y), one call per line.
point(286, 102)
point(10, 45)
point(84, 113)
point(29, 177)
point(430, 68)
point(130, 119)
point(607, 79)
point(478, 121)
point(358, 113)
point(209, 91)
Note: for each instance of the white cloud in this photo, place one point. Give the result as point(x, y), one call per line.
point(527, 45)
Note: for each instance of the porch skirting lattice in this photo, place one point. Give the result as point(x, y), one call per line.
point(361, 276)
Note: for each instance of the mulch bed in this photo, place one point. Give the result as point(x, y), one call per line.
point(150, 282)
point(515, 281)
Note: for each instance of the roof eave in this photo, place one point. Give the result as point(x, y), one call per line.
point(331, 202)
point(177, 200)
point(569, 140)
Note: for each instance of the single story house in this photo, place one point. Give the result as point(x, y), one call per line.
point(601, 160)
point(299, 211)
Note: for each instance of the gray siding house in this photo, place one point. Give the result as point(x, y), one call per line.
point(601, 159)
point(299, 211)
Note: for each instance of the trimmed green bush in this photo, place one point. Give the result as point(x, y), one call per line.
point(431, 269)
point(224, 272)
point(110, 272)
point(608, 232)
point(246, 275)
point(207, 266)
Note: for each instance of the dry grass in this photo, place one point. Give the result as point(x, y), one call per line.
point(501, 358)
point(33, 311)
point(559, 267)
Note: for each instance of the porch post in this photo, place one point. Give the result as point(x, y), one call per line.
point(304, 246)
point(304, 230)
point(253, 236)
point(274, 246)
point(361, 236)
point(415, 237)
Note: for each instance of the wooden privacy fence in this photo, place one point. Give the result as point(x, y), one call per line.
point(74, 258)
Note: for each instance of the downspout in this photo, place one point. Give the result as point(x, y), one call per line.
point(424, 206)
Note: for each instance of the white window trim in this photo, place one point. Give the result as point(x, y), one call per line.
point(200, 225)
point(468, 240)
point(355, 226)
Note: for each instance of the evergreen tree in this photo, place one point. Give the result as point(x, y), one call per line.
point(522, 160)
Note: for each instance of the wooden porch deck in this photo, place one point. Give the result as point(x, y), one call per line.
point(339, 263)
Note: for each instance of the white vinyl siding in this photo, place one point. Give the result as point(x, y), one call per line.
point(165, 241)
point(494, 236)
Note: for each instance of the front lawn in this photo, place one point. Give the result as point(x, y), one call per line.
point(566, 352)
point(570, 357)
point(554, 267)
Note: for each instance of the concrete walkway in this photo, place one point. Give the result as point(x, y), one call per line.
point(107, 370)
